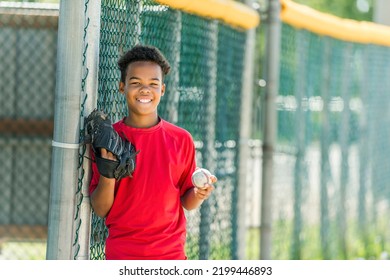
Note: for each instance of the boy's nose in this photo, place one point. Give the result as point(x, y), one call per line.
point(145, 89)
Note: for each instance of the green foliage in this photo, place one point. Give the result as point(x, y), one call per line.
point(341, 8)
point(370, 242)
point(220, 250)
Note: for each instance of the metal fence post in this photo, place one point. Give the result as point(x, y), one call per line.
point(65, 143)
point(245, 134)
point(208, 149)
point(270, 126)
point(173, 95)
point(300, 124)
point(324, 148)
point(89, 88)
point(345, 151)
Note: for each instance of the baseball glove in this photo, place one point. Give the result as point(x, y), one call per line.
point(101, 134)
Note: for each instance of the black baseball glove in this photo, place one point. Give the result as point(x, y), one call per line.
point(101, 134)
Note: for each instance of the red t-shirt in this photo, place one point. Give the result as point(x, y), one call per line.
point(147, 220)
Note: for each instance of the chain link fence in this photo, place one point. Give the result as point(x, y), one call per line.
point(28, 38)
point(203, 96)
point(331, 169)
point(331, 175)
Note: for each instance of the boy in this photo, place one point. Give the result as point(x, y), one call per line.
point(144, 213)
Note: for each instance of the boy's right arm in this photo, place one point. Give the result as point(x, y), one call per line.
point(102, 197)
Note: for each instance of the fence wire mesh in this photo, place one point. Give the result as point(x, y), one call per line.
point(203, 96)
point(331, 170)
point(28, 38)
point(331, 190)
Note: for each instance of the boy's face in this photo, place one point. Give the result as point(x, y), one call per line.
point(143, 88)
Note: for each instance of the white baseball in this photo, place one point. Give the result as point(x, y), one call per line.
point(200, 177)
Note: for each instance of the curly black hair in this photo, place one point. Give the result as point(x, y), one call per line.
point(143, 53)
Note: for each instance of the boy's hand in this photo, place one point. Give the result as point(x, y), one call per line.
point(114, 156)
point(204, 193)
point(107, 154)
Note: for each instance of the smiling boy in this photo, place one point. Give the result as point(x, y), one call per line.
point(144, 214)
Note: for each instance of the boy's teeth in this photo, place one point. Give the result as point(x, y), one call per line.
point(144, 100)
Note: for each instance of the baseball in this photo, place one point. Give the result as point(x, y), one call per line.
point(200, 177)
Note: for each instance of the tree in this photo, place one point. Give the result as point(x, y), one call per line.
point(352, 9)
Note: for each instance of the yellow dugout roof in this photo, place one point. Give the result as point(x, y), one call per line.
point(304, 17)
point(228, 11)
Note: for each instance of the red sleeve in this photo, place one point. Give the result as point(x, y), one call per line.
point(189, 157)
point(94, 176)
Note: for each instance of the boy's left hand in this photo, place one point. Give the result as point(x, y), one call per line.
point(204, 193)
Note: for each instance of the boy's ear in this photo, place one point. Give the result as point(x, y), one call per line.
point(121, 87)
point(162, 89)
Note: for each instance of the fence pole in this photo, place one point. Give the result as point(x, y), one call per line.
point(270, 125)
point(300, 124)
point(324, 146)
point(65, 152)
point(173, 96)
point(210, 155)
point(344, 148)
point(245, 134)
point(364, 150)
point(89, 88)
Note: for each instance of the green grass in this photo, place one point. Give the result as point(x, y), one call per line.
point(23, 251)
point(372, 243)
